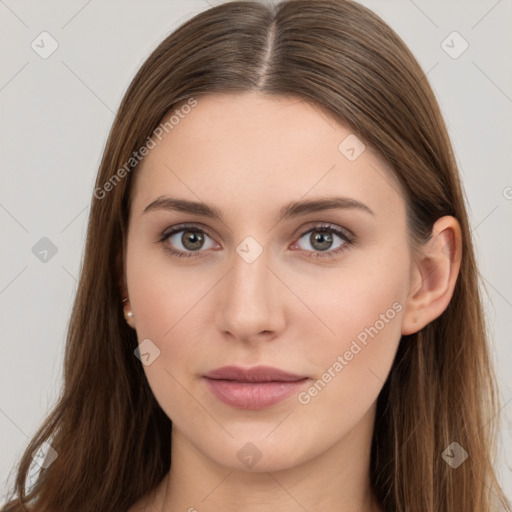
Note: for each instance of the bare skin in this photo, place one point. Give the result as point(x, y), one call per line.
point(300, 305)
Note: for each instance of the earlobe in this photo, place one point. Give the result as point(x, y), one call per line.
point(128, 314)
point(434, 276)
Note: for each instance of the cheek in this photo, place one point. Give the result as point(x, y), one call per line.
point(161, 292)
point(362, 309)
point(165, 302)
point(168, 304)
point(359, 308)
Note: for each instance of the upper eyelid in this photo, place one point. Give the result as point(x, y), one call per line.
point(182, 227)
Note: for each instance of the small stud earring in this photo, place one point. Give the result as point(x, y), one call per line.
point(128, 315)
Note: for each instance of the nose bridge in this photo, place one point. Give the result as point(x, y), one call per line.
point(249, 300)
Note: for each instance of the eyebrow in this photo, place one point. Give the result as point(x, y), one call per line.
point(294, 209)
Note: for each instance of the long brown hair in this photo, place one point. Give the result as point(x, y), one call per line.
point(111, 436)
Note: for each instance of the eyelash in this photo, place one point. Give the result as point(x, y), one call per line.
point(348, 240)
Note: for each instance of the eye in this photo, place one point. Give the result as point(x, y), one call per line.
point(185, 240)
point(322, 241)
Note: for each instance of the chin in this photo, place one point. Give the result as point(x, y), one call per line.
point(259, 454)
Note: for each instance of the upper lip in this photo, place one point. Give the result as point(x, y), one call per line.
point(254, 374)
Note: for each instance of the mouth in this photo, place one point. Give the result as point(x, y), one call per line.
point(253, 388)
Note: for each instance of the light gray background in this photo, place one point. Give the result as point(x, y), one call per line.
point(55, 117)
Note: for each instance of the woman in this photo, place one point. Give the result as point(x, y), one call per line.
point(278, 307)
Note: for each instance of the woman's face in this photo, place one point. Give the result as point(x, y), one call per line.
point(294, 255)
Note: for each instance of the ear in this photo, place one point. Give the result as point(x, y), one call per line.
point(435, 273)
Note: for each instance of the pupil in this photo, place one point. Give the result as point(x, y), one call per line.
point(322, 238)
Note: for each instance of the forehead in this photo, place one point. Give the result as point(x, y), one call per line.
point(254, 149)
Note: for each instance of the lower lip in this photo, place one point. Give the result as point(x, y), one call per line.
point(257, 395)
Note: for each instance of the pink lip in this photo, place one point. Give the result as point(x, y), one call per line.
point(253, 388)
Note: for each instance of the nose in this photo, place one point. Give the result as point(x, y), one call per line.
point(249, 301)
